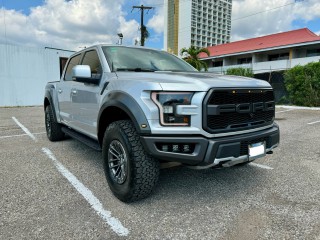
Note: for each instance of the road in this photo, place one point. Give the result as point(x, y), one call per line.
point(59, 191)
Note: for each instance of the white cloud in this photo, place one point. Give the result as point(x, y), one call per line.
point(73, 23)
point(308, 9)
point(155, 24)
point(157, 21)
point(276, 19)
point(68, 24)
point(129, 29)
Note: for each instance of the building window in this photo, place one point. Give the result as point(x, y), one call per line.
point(245, 60)
point(278, 56)
point(313, 52)
point(217, 63)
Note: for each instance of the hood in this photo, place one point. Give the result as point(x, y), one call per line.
point(193, 81)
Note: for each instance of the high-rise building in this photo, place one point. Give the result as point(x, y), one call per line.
point(200, 23)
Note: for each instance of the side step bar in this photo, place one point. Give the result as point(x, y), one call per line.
point(82, 138)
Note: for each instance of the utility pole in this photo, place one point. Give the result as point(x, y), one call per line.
point(142, 8)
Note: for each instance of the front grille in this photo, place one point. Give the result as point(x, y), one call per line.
point(234, 110)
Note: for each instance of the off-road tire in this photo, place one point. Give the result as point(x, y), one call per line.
point(141, 170)
point(53, 128)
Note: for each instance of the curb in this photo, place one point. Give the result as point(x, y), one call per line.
point(299, 108)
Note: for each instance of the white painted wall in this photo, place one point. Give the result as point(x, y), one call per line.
point(24, 72)
point(304, 61)
point(268, 66)
point(184, 39)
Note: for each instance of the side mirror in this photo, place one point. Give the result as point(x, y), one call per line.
point(82, 73)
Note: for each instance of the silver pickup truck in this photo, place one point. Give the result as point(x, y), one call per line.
point(142, 107)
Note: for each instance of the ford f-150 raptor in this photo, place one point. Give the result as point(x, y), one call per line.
point(142, 106)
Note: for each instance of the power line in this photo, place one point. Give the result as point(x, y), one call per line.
point(253, 14)
point(268, 10)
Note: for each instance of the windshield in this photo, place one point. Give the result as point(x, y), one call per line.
point(122, 58)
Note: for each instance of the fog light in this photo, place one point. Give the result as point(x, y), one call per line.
point(175, 148)
point(165, 148)
point(186, 148)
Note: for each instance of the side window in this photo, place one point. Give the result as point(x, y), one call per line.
point(91, 58)
point(73, 62)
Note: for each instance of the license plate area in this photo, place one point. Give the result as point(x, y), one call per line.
point(257, 150)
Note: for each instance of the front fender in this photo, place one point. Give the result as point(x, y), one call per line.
point(130, 106)
point(50, 94)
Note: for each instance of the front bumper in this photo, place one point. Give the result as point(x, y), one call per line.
point(209, 152)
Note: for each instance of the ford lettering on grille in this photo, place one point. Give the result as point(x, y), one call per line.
point(241, 108)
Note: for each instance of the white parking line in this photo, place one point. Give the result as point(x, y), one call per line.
point(113, 222)
point(313, 122)
point(25, 129)
point(260, 166)
point(285, 111)
point(20, 135)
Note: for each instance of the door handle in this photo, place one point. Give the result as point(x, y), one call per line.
point(59, 91)
point(74, 92)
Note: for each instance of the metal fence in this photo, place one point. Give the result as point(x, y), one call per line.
point(276, 79)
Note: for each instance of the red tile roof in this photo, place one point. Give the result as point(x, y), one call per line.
point(270, 41)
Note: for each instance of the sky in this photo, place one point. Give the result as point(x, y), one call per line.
point(74, 24)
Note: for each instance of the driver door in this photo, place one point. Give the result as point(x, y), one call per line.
point(85, 97)
point(64, 89)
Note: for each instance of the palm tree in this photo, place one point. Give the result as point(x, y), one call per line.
point(192, 57)
point(145, 34)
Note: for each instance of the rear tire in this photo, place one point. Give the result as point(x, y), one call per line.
point(53, 128)
point(131, 173)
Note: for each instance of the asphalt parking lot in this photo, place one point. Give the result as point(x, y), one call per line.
point(58, 190)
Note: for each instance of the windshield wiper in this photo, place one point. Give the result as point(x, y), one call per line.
point(135, 69)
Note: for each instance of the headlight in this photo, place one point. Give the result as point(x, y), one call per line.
point(167, 103)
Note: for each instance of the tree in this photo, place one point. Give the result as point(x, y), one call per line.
point(303, 84)
point(246, 72)
point(192, 57)
point(145, 34)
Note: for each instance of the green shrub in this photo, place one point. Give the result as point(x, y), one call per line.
point(303, 84)
point(246, 72)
